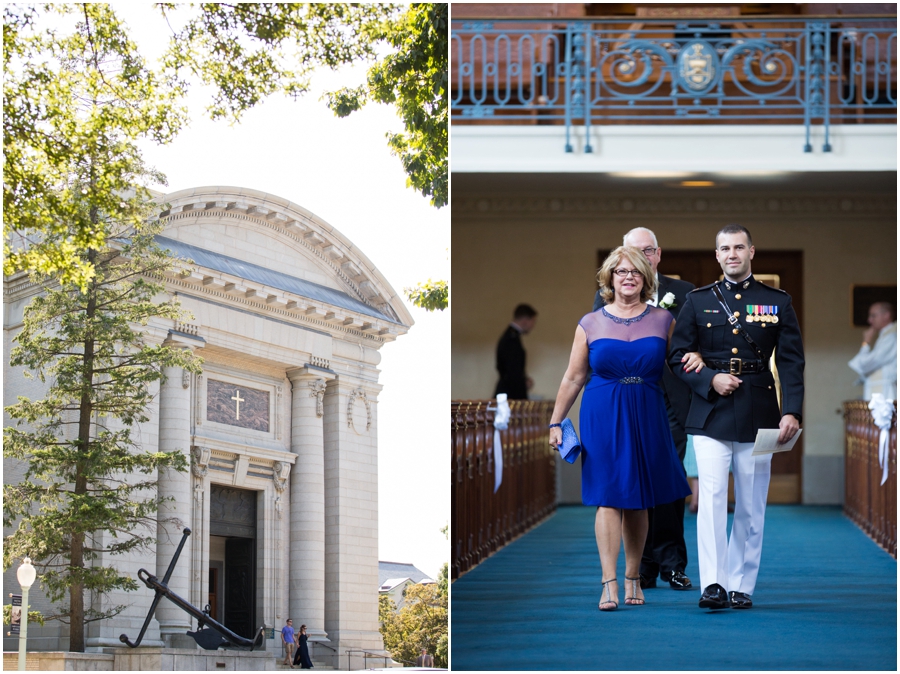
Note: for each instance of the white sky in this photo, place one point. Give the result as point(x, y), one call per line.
point(341, 170)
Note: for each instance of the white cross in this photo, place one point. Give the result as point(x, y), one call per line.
point(237, 398)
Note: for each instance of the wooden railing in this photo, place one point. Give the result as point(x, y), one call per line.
point(482, 522)
point(870, 504)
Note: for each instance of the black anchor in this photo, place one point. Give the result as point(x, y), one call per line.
point(217, 636)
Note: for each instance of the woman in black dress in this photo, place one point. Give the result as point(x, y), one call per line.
point(302, 657)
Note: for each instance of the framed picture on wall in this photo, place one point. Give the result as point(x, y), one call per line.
point(864, 296)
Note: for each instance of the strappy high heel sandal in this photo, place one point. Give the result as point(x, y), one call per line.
point(634, 600)
point(609, 599)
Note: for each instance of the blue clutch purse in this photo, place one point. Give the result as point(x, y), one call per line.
point(570, 447)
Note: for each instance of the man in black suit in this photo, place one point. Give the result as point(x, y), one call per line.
point(511, 355)
point(735, 325)
point(665, 553)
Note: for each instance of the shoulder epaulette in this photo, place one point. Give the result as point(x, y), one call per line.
point(702, 288)
point(765, 285)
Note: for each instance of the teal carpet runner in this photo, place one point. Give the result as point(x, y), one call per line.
point(826, 599)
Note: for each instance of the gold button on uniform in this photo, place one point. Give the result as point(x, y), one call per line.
point(709, 325)
point(737, 314)
point(734, 350)
point(738, 296)
point(735, 331)
point(770, 388)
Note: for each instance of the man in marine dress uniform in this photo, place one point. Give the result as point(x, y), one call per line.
point(511, 355)
point(734, 397)
point(665, 552)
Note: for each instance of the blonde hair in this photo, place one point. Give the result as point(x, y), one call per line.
point(635, 257)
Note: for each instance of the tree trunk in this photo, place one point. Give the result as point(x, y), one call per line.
point(85, 414)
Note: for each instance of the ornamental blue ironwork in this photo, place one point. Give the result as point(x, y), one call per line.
point(698, 67)
point(607, 71)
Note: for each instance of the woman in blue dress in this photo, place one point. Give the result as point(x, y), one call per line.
point(629, 462)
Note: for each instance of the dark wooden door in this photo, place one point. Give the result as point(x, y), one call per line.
point(782, 269)
point(240, 585)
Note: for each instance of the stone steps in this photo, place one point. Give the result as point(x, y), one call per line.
point(317, 667)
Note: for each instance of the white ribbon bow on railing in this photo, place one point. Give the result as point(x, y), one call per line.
point(501, 423)
point(882, 413)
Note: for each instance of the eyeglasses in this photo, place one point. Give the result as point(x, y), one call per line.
point(649, 251)
point(622, 273)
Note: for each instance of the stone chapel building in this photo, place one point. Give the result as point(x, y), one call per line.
point(280, 428)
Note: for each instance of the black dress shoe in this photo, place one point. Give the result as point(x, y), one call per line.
point(647, 581)
point(740, 600)
point(678, 581)
point(714, 597)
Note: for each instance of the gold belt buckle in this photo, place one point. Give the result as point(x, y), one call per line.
point(734, 369)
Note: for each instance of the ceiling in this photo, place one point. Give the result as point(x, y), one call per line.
point(881, 183)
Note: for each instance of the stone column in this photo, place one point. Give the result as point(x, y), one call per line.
point(176, 488)
point(307, 513)
point(351, 517)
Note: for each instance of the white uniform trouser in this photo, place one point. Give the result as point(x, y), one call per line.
point(733, 566)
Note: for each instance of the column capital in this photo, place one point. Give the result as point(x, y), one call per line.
point(298, 374)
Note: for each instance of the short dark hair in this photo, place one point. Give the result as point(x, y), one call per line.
point(734, 229)
point(524, 311)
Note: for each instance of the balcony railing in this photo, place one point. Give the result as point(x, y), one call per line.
point(483, 521)
point(823, 70)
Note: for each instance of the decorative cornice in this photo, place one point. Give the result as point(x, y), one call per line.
point(224, 450)
point(299, 312)
point(205, 458)
point(328, 250)
point(21, 286)
point(567, 206)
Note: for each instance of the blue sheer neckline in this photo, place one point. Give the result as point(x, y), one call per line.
point(625, 321)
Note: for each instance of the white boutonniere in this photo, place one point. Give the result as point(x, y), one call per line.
point(668, 301)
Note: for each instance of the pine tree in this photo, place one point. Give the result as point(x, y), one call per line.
point(88, 491)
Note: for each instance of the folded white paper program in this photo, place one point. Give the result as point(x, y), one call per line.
point(767, 442)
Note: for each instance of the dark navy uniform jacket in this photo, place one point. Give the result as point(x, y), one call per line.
point(511, 366)
point(678, 395)
point(703, 326)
